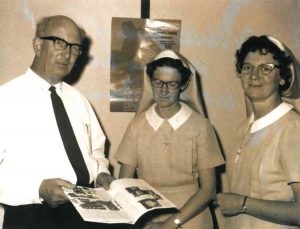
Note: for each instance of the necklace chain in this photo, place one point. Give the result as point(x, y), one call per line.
point(244, 142)
point(166, 134)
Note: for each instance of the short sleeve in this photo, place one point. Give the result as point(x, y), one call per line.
point(209, 154)
point(289, 152)
point(127, 150)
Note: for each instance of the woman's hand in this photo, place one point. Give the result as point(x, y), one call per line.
point(230, 203)
point(275, 211)
point(153, 226)
point(104, 180)
point(160, 225)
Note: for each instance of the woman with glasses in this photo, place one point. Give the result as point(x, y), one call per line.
point(264, 169)
point(171, 145)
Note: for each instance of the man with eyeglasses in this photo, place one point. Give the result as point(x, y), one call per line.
point(50, 137)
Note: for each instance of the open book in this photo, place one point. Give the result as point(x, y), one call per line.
point(125, 202)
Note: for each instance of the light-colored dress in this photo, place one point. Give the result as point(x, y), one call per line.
point(264, 163)
point(169, 154)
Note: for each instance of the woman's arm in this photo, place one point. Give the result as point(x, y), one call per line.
point(197, 203)
point(126, 171)
point(280, 212)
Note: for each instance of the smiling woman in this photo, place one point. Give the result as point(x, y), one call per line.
point(262, 82)
point(264, 169)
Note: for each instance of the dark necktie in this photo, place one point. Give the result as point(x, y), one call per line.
point(69, 139)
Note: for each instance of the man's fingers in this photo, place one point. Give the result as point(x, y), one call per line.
point(52, 193)
point(65, 183)
point(56, 204)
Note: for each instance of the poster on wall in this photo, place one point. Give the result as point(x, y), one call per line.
point(134, 42)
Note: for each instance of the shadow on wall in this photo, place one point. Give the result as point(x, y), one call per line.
point(75, 75)
point(220, 169)
point(198, 80)
point(106, 145)
point(81, 62)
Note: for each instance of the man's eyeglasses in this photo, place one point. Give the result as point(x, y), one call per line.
point(172, 85)
point(263, 69)
point(61, 44)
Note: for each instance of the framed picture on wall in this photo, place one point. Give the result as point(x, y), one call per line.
point(134, 42)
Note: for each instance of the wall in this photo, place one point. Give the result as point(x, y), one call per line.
point(211, 32)
point(17, 26)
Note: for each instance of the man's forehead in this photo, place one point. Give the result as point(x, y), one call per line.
point(66, 30)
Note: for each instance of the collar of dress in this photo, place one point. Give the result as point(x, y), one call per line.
point(269, 118)
point(175, 121)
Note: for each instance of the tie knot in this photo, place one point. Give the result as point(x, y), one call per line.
point(52, 89)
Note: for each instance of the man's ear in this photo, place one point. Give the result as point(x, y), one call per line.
point(37, 45)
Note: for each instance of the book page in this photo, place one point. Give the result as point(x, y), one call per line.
point(125, 202)
point(95, 205)
point(137, 197)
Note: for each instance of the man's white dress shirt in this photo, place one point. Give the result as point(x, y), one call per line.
point(31, 148)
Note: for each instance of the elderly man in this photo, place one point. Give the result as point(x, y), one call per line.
point(49, 135)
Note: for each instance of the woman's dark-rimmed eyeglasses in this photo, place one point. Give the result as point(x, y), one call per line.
point(172, 85)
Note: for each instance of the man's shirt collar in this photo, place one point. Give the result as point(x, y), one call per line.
point(40, 84)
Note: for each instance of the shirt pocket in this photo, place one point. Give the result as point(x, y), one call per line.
point(82, 130)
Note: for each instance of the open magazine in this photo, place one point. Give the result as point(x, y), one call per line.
point(125, 202)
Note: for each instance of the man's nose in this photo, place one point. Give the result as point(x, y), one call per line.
point(67, 52)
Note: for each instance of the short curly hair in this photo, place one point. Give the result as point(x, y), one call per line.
point(265, 46)
point(169, 62)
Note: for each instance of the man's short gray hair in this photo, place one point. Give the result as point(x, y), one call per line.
point(45, 22)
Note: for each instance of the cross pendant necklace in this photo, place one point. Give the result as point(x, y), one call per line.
point(237, 156)
point(166, 132)
point(244, 142)
point(166, 144)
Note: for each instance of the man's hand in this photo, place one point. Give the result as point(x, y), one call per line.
point(51, 191)
point(230, 203)
point(104, 180)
